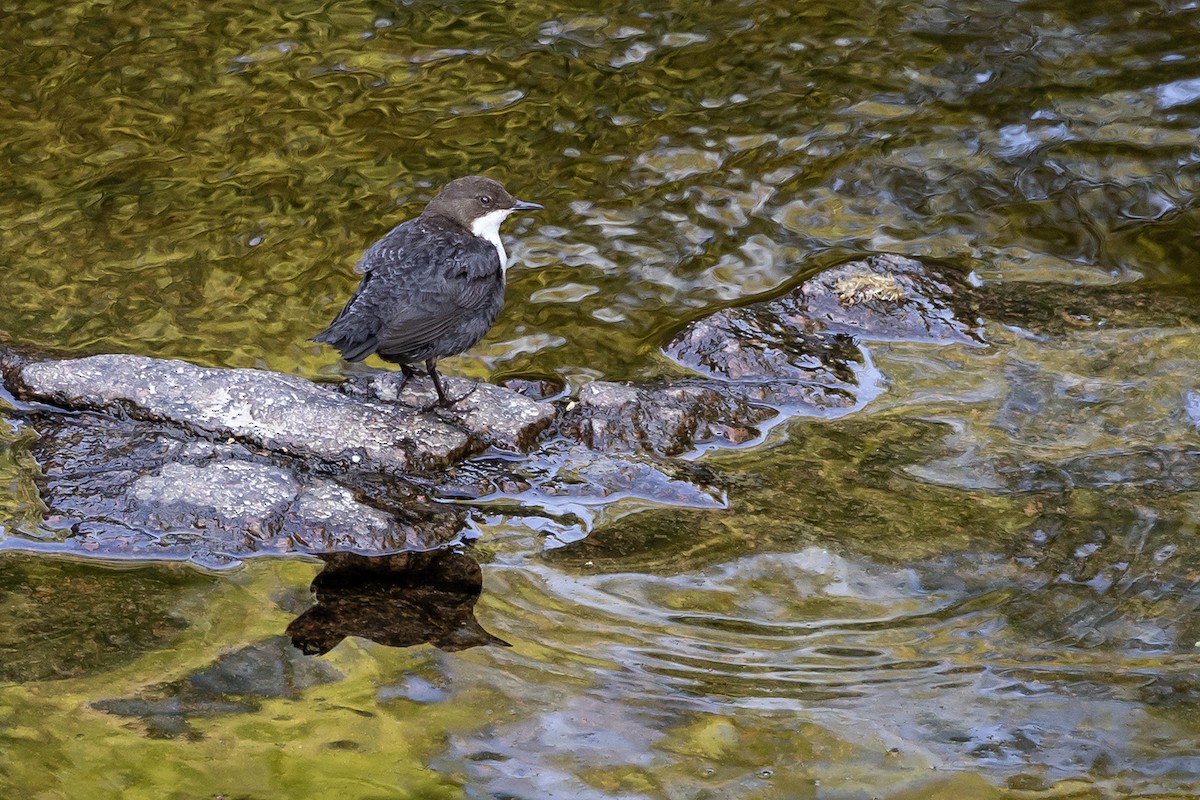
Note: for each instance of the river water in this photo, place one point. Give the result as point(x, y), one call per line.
point(984, 584)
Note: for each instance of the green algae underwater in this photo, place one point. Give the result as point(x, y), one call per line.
point(982, 585)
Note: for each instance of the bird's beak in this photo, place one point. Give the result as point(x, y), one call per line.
point(521, 205)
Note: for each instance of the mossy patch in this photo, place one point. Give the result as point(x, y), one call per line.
point(866, 288)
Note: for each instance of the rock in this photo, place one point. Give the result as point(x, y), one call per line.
point(536, 388)
point(586, 475)
point(667, 420)
point(811, 334)
point(758, 343)
point(799, 354)
point(290, 415)
point(495, 416)
point(233, 489)
point(887, 297)
point(124, 488)
point(674, 418)
point(102, 619)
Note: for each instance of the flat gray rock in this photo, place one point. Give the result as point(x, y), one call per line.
point(287, 414)
point(495, 416)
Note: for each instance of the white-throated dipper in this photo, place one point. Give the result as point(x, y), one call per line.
point(433, 286)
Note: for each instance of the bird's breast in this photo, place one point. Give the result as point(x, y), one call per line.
point(487, 228)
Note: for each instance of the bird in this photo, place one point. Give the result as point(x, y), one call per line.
point(434, 285)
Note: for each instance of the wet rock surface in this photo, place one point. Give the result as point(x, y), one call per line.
point(494, 416)
point(888, 297)
point(122, 488)
point(811, 334)
point(763, 342)
point(288, 414)
point(797, 355)
point(563, 473)
point(667, 420)
point(171, 460)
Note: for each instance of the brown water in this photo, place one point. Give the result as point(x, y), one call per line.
point(982, 585)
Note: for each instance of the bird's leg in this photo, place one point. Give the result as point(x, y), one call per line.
point(408, 373)
point(443, 400)
point(431, 365)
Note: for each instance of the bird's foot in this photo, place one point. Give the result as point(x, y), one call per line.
point(445, 403)
point(408, 373)
point(462, 397)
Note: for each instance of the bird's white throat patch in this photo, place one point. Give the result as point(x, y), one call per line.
point(488, 227)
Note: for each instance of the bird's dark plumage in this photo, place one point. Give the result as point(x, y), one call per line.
point(434, 285)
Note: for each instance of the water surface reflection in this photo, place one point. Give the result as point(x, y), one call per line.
point(398, 600)
point(981, 585)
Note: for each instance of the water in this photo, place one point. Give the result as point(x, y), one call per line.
point(981, 585)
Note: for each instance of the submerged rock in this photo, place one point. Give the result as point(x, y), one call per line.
point(1056, 310)
point(797, 355)
point(563, 473)
point(398, 600)
point(1109, 571)
point(811, 334)
point(69, 621)
point(236, 683)
point(887, 297)
point(763, 342)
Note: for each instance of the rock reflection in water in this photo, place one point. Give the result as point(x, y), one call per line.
point(235, 683)
point(397, 600)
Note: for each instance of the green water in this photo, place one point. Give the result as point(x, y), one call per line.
point(982, 585)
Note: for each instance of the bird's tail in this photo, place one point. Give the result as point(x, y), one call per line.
point(352, 347)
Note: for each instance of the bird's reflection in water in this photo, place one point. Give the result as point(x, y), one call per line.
point(397, 600)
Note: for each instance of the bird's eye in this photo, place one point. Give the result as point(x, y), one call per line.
point(483, 198)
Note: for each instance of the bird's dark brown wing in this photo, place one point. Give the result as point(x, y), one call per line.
point(418, 280)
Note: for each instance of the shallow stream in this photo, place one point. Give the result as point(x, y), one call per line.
point(983, 584)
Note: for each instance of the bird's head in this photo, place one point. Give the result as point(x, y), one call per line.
point(477, 203)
